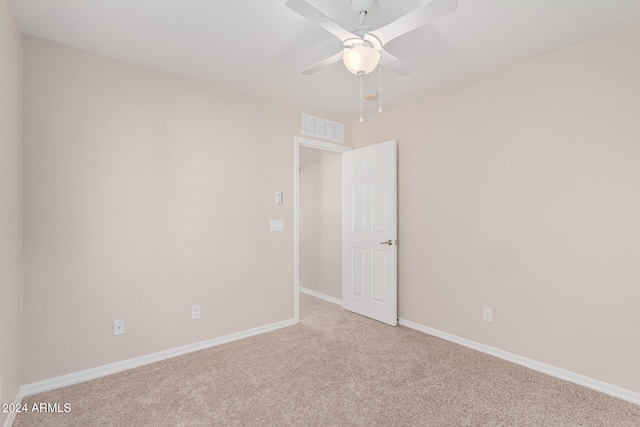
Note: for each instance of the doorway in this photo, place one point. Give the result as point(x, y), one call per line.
point(317, 227)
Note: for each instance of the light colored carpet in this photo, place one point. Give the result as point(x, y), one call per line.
point(339, 369)
point(311, 307)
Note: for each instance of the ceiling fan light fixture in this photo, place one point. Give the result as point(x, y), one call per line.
point(351, 42)
point(361, 58)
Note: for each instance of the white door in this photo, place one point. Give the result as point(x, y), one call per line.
point(369, 232)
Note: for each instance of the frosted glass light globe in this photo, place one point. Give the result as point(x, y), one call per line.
point(361, 59)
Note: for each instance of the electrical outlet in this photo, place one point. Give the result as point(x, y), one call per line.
point(487, 314)
point(118, 327)
point(195, 312)
point(276, 225)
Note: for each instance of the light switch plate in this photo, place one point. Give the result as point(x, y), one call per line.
point(276, 225)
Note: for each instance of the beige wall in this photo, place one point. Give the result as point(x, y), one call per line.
point(321, 221)
point(520, 192)
point(145, 194)
point(10, 204)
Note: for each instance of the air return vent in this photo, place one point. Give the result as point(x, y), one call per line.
point(321, 128)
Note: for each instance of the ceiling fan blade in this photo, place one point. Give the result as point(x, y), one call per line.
point(415, 19)
point(323, 64)
point(394, 64)
point(314, 15)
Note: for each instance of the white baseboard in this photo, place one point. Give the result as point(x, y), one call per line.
point(12, 415)
point(101, 371)
point(601, 386)
point(321, 296)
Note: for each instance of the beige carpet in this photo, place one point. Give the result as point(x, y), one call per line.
point(339, 369)
point(311, 307)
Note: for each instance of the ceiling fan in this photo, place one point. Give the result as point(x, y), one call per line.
point(364, 46)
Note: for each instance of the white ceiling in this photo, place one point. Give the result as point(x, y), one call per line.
point(259, 46)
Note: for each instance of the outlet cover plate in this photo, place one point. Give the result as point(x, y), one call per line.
point(195, 312)
point(276, 225)
point(487, 314)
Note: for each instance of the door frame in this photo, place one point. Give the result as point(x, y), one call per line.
point(319, 145)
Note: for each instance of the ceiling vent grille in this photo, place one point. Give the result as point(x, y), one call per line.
point(321, 128)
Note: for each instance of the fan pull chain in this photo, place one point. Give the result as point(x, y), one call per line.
point(361, 119)
point(380, 109)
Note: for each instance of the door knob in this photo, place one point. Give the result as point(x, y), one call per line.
point(388, 242)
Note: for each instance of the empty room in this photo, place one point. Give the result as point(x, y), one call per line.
point(319, 213)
